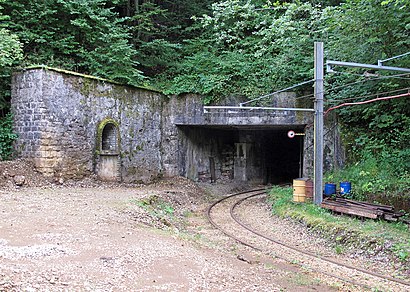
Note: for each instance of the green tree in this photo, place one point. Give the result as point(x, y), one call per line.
point(85, 36)
point(376, 134)
point(7, 137)
point(158, 29)
point(10, 53)
point(249, 52)
point(10, 48)
point(356, 37)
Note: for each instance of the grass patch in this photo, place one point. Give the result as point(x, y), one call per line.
point(158, 208)
point(304, 280)
point(385, 177)
point(371, 236)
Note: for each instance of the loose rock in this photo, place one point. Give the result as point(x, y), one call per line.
point(19, 180)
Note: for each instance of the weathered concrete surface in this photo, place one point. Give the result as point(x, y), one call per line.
point(192, 113)
point(213, 135)
point(60, 118)
point(57, 116)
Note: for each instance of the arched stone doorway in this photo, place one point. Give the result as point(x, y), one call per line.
point(108, 150)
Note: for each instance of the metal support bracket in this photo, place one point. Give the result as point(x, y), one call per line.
point(330, 64)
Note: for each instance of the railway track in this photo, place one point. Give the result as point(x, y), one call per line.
point(223, 216)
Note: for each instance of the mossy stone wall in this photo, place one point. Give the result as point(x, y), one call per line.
point(57, 117)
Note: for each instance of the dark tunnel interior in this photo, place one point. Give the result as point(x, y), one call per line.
point(282, 155)
point(261, 154)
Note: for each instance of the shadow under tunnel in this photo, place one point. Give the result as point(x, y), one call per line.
point(262, 154)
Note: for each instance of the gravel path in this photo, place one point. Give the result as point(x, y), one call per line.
point(101, 238)
point(96, 239)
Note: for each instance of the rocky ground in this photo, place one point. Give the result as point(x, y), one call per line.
point(86, 235)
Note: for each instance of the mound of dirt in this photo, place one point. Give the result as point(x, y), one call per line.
point(168, 203)
point(20, 172)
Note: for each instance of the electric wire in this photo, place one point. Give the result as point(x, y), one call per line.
point(304, 96)
point(361, 102)
point(331, 89)
point(400, 76)
point(365, 102)
point(276, 92)
point(366, 80)
point(357, 82)
point(367, 96)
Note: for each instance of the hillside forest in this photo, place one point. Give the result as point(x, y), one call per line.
point(244, 48)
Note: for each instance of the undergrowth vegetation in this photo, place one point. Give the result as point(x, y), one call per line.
point(158, 208)
point(378, 162)
point(7, 136)
point(374, 175)
point(371, 236)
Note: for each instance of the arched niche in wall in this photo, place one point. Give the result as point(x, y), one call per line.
point(109, 139)
point(108, 150)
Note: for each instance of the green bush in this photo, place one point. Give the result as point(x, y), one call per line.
point(7, 137)
point(345, 232)
point(384, 173)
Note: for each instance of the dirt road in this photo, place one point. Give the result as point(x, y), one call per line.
point(94, 238)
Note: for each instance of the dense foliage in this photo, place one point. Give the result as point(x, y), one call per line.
point(7, 137)
point(246, 51)
point(376, 134)
point(10, 53)
point(86, 36)
point(229, 48)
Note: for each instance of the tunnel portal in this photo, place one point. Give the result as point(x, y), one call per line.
point(260, 154)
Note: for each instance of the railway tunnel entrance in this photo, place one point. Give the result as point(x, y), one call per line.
point(259, 154)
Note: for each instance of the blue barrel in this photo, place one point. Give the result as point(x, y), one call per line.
point(330, 189)
point(345, 187)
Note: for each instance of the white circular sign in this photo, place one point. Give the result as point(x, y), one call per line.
point(291, 134)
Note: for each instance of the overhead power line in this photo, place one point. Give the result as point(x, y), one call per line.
point(365, 102)
point(276, 92)
point(368, 95)
point(366, 80)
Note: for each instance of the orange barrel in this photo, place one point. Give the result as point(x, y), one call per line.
point(309, 189)
point(299, 186)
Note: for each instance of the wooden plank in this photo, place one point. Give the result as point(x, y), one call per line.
point(370, 207)
point(367, 204)
point(390, 217)
point(350, 210)
point(399, 214)
point(363, 209)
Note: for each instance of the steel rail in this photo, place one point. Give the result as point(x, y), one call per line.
point(213, 223)
point(374, 274)
point(237, 220)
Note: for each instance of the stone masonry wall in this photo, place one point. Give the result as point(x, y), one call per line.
point(57, 116)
